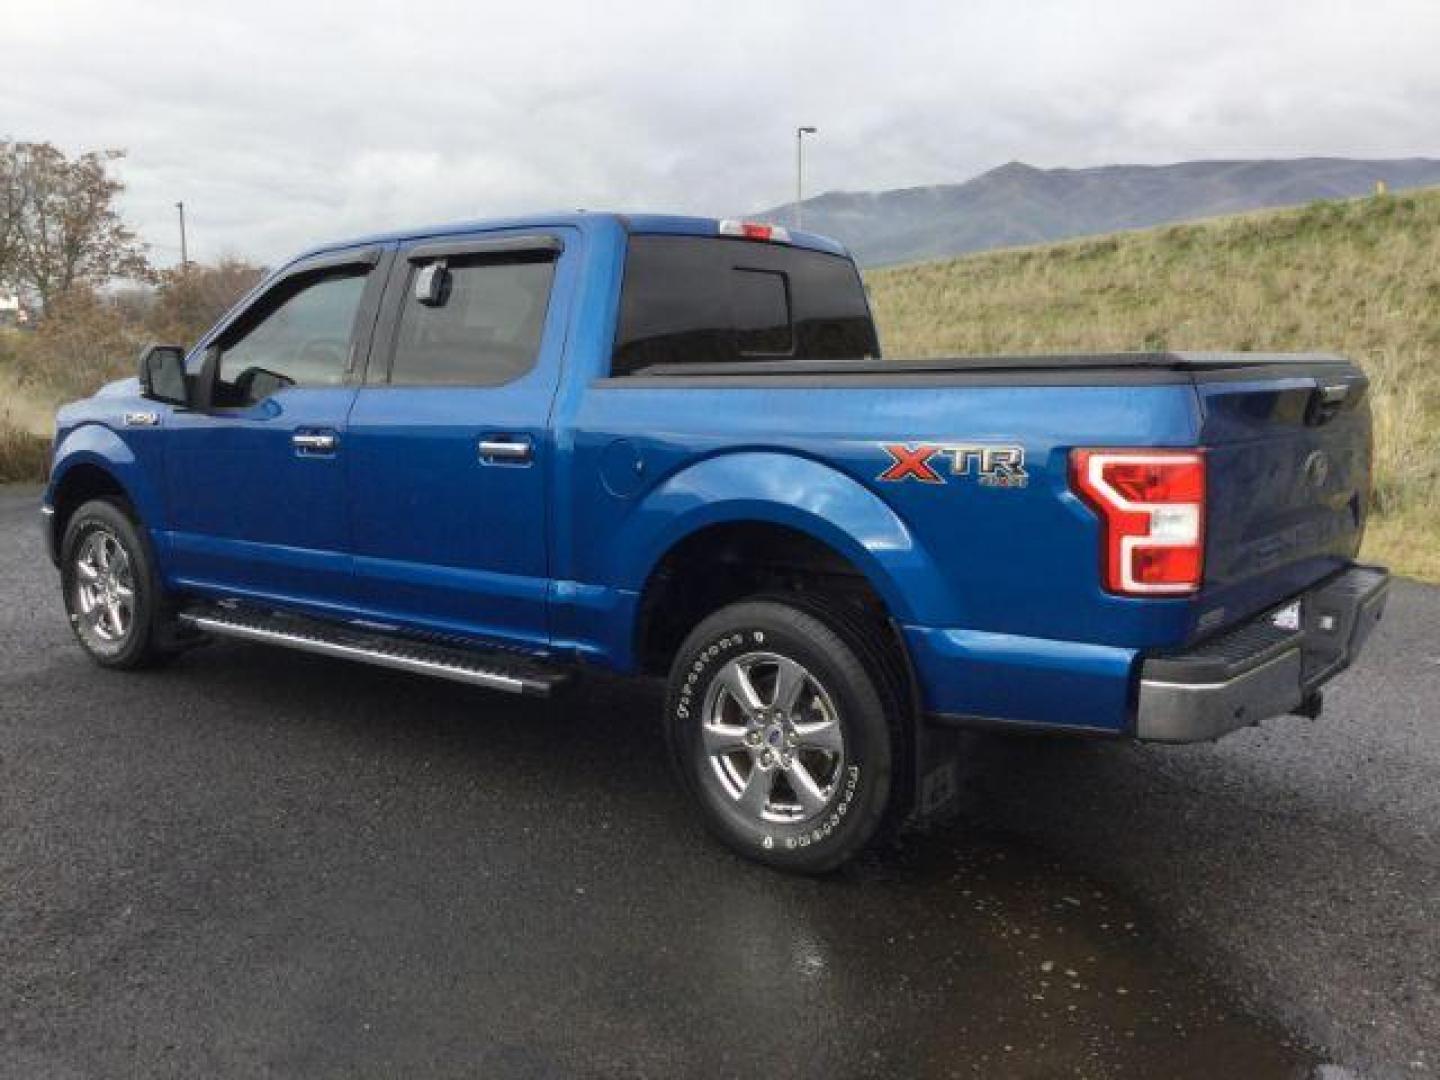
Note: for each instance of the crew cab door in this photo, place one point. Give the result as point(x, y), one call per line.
point(448, 444)
point(255, 472)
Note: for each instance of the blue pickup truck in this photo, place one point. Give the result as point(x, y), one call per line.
point(507, 452)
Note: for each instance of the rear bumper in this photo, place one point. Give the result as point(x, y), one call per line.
point(1261, 668)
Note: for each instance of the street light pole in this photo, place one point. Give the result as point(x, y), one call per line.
point(184, 254)
point(800, 133)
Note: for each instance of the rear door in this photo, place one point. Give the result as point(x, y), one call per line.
point(255, 476)
point(448, 443)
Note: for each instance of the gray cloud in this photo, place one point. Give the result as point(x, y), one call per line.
point(281, 124)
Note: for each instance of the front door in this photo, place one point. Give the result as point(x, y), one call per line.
point(256, 473)
point(448, 445)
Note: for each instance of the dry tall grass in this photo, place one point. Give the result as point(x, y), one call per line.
point(1359, 278)
point(23, 457)
point(85, 345)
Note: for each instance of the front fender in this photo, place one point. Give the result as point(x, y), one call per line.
point(788, 490)
point(97, 445)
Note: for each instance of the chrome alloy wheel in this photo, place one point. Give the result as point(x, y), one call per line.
point(104, 587)
point(772, 738)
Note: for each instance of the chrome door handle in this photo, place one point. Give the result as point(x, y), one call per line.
point(314, 442)
point(513, 450)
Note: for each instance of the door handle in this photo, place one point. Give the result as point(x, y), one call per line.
point(512, 451)
point(313, 442)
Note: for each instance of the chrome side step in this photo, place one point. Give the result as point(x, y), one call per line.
point(497, 671)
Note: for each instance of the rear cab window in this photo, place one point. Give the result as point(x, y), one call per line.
point(717, 300)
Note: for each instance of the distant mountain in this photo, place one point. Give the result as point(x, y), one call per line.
point(1020, 204)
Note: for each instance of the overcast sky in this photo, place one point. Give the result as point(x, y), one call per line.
point(286, 123)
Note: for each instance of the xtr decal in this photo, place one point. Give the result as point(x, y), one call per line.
point(912, 463)
point(991, 465)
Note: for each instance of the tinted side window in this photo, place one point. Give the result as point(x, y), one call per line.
point(672, 307)
point(483, 328)
point(302, 338)
point(704, 300)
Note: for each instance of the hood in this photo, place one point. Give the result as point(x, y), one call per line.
point(120, 388)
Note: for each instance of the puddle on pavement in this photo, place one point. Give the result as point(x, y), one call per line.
point(977, 956)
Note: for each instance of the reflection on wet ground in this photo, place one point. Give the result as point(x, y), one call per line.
point(263, 861)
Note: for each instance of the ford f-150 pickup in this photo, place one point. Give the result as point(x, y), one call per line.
point(506, 452)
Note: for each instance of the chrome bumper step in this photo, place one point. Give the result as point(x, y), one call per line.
point(1263, 667)
point(494, 670)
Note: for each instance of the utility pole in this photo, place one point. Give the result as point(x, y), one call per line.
point(184, 253)
point(800, 133)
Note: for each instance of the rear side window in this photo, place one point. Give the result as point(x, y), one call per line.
point(713, 300)
point(480, 327)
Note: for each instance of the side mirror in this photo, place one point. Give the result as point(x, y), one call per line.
point(432, 284)
point(162, 374)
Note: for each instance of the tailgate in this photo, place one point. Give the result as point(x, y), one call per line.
point(1288, 445)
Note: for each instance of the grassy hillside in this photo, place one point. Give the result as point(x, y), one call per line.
point(1360, 278)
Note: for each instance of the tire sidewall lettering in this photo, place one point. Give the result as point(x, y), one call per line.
point(684, 707)
point(815, 834)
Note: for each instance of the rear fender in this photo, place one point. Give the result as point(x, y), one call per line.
point(788, 490)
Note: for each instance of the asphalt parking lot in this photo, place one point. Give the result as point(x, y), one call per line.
point(257, 862)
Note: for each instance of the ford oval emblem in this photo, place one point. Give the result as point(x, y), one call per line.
point(1317, 468)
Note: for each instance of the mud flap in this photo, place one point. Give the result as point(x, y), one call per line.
point(937, 774)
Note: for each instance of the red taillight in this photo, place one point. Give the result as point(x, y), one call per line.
point(1152, 505)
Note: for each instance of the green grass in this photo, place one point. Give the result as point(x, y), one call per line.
point(1360, 278)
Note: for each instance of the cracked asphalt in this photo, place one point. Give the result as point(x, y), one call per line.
point(259, 862)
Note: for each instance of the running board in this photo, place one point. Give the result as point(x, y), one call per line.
point(497, 671)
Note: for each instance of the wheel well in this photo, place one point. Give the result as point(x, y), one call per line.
point(81, 484)
point(722, 564)
point(725, 563)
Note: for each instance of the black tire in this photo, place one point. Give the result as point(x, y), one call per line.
point(821, 806)
point(99, 524)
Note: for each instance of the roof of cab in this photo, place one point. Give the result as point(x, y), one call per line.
point(582, 219)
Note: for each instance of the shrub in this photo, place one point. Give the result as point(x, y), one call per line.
point(24, 458)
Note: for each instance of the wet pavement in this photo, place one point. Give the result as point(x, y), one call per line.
point(262, 862)
point(285, 865)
